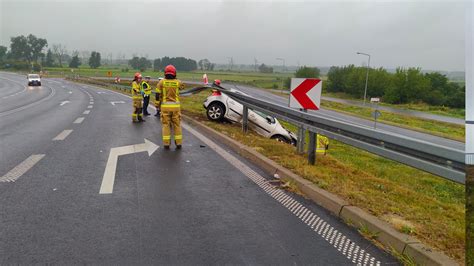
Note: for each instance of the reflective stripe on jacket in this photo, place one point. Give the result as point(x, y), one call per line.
point(170, 91)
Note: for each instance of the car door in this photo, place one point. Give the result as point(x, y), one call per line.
point(258, 122)
point(235, 109)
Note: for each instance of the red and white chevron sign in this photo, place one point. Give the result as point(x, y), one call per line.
point(305, 93)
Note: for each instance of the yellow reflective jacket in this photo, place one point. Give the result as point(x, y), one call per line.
point(146, 88)
point(170, 91)
point(136, 91)
point(322, 144)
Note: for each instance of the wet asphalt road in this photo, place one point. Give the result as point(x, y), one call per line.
point(202, 205)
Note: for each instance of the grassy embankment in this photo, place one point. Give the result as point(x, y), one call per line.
point(422, 107)
point(414, 202)
point(442, 129)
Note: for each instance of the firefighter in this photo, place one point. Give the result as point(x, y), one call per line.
point(146, 90)
point(322, 144)
point(137, 115)
point(170, 107)
point(158, 98)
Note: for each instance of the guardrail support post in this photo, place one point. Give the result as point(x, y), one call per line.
point(469, 214)
point(245, 120)
point(312, 148)
point(301, 140)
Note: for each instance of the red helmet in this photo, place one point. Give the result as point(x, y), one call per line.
point(170, 69)
point(217, 82)
point(138, 75)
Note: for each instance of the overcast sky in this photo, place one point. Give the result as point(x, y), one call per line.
point(320, 33)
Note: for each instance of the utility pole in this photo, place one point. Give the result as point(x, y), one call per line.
point(366, 76)
point(256, 63)
point(283, 66)
point(231, 62)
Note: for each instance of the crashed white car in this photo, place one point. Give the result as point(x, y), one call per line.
point(34, 80)
point(220, 107)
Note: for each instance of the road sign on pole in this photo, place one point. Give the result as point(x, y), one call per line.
point(305, 93)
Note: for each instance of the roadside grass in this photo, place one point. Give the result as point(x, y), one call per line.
point(442, 129)
point(427, 207)
point(422, 107)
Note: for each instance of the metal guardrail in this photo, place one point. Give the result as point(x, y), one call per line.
point(443, 161)
point(436, 159)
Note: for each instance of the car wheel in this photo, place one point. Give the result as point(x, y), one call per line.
point(280, 138)
point(215, 111)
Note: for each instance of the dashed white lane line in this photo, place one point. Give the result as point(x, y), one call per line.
point(91, 102)
point(63, 134)
point(79, 120)
point(323, 229)
point(90, 106)
point(86, 112)
point(22, 168)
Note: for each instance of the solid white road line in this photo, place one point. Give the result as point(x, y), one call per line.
point(323, 229)
point(22, 168)
point(86, 112)
point(63, 134)
point(79, 120)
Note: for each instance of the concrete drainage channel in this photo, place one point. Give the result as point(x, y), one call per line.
point(386, 234)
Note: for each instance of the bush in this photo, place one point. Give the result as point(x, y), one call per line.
point(307, 72)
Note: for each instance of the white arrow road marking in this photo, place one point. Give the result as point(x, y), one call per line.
point(79, 120)
point(63, 103)
point(109, 174)
point(63, 134)
point(86, 112)
point(22, 168)
point(113, 103)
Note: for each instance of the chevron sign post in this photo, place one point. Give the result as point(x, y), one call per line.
point(305, 93)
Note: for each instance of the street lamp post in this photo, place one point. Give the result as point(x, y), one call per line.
point(366, 76)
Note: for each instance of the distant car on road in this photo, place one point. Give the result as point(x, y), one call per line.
point(34, 80)
point(220, 107)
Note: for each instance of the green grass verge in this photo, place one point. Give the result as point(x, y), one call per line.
point(422, 107)
point(414, 202)
point(442, 129)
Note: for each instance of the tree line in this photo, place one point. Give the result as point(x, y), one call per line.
point(31, 52)
point(406, 85)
